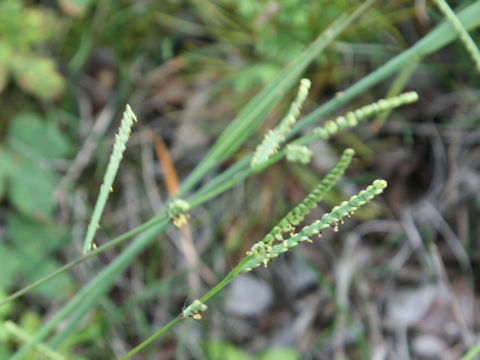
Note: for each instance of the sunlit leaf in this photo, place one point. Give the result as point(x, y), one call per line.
point(10, 266)
point(29, 132)
point(279, 354)
point(76, 8)
point(217, 350)
point(32, 242)
point(5, 54)
point(38, 76)
point(31, 190)
point(5, 169)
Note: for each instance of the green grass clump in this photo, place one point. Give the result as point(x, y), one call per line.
point(288, 140)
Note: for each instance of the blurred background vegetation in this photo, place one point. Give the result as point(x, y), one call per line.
point(402, 285)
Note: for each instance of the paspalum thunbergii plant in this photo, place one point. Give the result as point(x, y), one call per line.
point(285, 235)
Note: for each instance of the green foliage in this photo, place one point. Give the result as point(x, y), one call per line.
point(297, 214)
point(31, 189)
point(35, 137)
point(263, 251)
point(26, 254)
point(269, 34)
point(218, 350)
point(76, 8)
point(26, 177)
point(22, 31)
point(279, 353)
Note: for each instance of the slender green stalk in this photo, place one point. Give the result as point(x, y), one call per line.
point(147, 342)
point(465, 38)
point(472, 354)
point(236, 271)
point(114, 242)
point(106, 188)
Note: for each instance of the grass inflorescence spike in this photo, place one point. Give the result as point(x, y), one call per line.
point(352, 118)
point(274, 138)
point(177, 212)
point(262, 252)
point(121, 139)
point(194, 310)
point(298, 213)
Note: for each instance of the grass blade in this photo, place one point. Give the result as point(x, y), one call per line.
point(436, 39)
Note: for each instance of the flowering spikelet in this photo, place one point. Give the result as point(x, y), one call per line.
point(119, 147)
point(352, 118)
point(194, 310)
point(263, 253)
point(177, 212)
point(274, 138)
point(298, 213)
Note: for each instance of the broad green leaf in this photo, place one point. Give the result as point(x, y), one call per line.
point(279, 354)
point(42, 237)
point(10, 17)
point(29, 240)
point(37, 25)
point(76, 8)
point(38, 76)
point(5, 309)
point(31, 190)
point(59, 288)
point(33, 242)
point(23, 26)
point(29, 132)
point(5, 170)
point(84, 300)
point(30, 321)
point(5, 54)
point(216, 350)
point(10, 266)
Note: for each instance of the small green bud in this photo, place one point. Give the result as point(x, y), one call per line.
point(299, 153)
